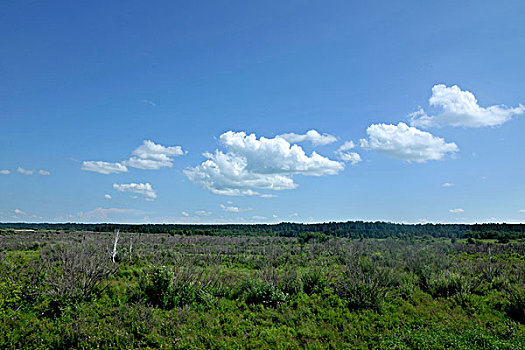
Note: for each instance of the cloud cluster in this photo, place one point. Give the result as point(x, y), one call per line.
point(407, 143)
point(251, 164)
point(313, 136)
point(144, 190)
point(149, 156)
point(461, 108)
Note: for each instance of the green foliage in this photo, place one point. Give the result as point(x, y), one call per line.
point(366, 285)
point(256, 292)
point(182, 291)
point(314, 281)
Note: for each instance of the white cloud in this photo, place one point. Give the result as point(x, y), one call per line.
point(185, 213)
point(313, 136)
point(103, 167)
point(153, 156)
point(348, 145)
point(24, 171)
point(351, 157)
point(149, 155)
point(149, 102)
point(143, 189)
point(257, 217)
point(407, 143)
point(19, 212)
point(522, 211)
point(460, 108)
point(44, 172)
point(252, 164)
point(458, 210)
point(107, 196)
point(4, 172)
point(203, 213)
point(447, 184)
point(234, 209)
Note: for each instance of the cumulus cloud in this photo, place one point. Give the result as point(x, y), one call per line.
point(153, 156)
point(461, 108)
point(348, 145)
point(447, 184)
point(407, 143)
point(203, 213)
point(103, 167)
point(145, 190)
point(252, 164)
point(313, 136)
point(351, 157)
point(24, 171)
point(107, 196)
point(4, 172)
point(185, 213)
point(456, 211)
point(44, 172)
point(149, 156)
point(19, 212)
point(234, 209)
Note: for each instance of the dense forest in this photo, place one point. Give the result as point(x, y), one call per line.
point(350, 229)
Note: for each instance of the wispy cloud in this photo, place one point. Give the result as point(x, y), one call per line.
point(312, 136)
point(234, 209)
point(456, 211)
point(203, 213)
point(144, 189)
point(107, 196)
point(104, 168)
point(24, 171)
point(149, 102)
point(19, 212)
point(44, 172)
point(447, 184)
point(4, 172)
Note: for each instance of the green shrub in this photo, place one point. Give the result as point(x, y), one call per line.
point(516, 302)
point(365, 285)
point(314, 281)
point(256, 292)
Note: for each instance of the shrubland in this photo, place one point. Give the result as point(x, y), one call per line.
point(167, 290)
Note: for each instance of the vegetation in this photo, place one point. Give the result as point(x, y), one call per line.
point(313, 288)
point(350, 229)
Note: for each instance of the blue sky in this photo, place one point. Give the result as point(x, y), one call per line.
point(178, 111)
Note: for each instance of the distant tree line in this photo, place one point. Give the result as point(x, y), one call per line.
point(349, 229)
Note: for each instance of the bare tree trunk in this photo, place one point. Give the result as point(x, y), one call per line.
point(131, 246)
point(117, 235)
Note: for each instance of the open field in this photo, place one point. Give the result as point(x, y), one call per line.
point(63, 290)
